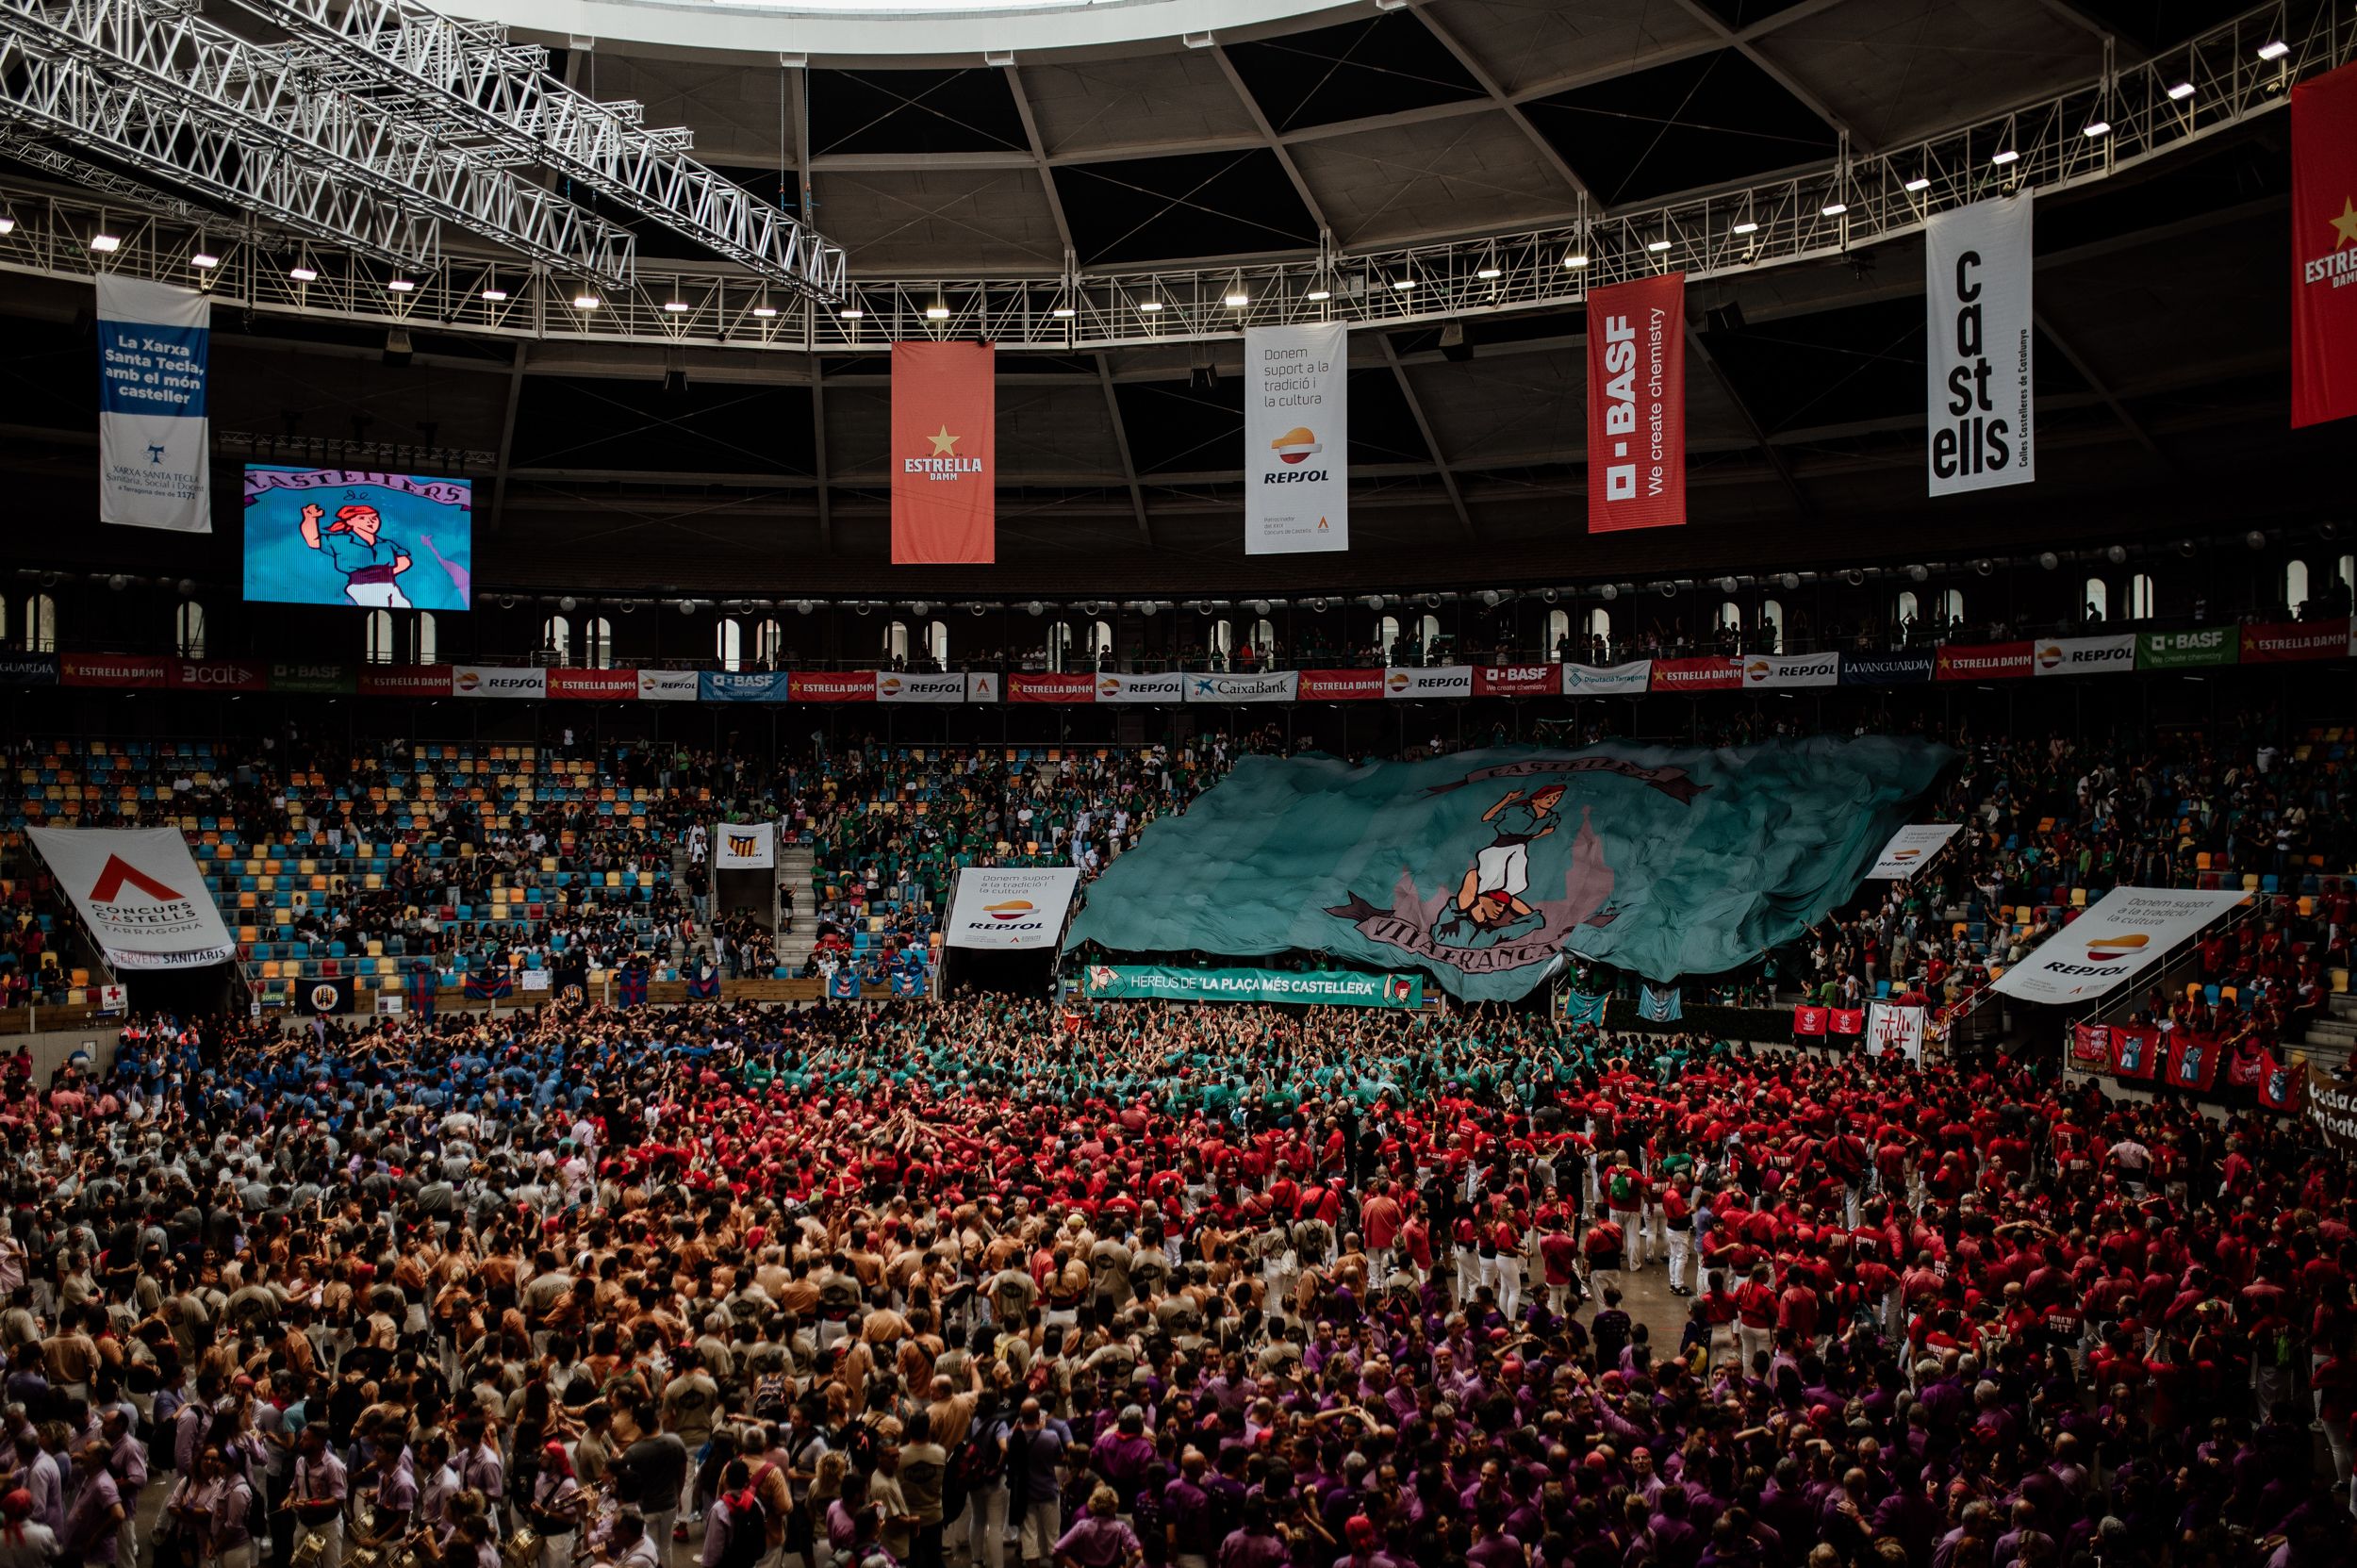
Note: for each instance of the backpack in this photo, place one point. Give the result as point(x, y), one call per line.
point(1622, 1192)
point(748, 1534)
point(978, 1462)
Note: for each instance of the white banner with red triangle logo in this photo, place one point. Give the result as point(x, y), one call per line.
point(140, 893)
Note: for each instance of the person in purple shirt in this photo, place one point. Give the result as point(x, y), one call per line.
point(1366, 1543)
point(93, 1519)
point(1121, 1454)
point(1255, 1543)
point(1187, 1516)
point(1098, 1540)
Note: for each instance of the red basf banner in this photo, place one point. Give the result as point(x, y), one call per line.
point(944, 454)
point(1636, 405)
point(2324, 248)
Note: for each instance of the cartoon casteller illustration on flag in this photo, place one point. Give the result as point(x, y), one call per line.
point(1491, 897)
point(357, 546)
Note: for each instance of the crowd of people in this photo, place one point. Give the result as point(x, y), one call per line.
point(1006, 1282)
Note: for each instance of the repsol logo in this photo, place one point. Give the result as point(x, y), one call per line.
point(1295, 476)
point(2082, 968)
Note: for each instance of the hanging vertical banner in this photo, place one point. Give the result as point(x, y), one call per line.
point(944, 454)
point(155, 464)
point(1976, 300)
point(1296, 439)
point(1636, 405)
point(2324, 248)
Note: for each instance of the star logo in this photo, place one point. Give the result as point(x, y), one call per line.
point(2344, 225)
point(945, 444)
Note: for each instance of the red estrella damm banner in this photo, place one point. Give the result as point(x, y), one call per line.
point(2324, 248)
point(944, 454)
point(1636, 405)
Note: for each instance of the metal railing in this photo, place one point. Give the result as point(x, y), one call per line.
point(2121, 118)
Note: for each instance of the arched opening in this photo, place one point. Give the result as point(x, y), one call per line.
point(429, 638)
point(1100, 640)
point(1387, 638)
point(1058, 645)
point(596, 643)
point(728, 643)
point(1907, 612)
point(1428, 639)
point(1264, 637)
point(1560, 634)
point(937, 643)
point(2141, 599)
point(187, 630)
point(1597, 628)
point(1771, 624)
point(2099, 601)
point(768, 645)
point(556, 639)
point(1951, 609)
point(2295, 584)
point(41, 624)
point(378, 640)
point(1730, 616)
point(896, 645)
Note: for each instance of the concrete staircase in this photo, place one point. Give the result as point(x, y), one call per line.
point(2332, 1038)
point(798, 936)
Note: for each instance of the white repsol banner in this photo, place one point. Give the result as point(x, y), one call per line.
point(1976, 288)
point(744, 845)
point(154, 460)
point(1277, 686)
point(1894, 1026)
point(2128, 927)
point(667, 685)
point(1417, 682)
point(476, 680)
point(1169, 686)
point(1771, 670)
point(1008, 907)
point(893, 685)
point(2112, 655)
point(1911, 848)
point(1633, 679)
point(1296, 439)
point(140, 893)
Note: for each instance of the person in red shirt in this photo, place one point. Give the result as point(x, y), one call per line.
point(1603, 1246)
point(1558, 1257)
point(1756, 1315)
point(1677, 1219)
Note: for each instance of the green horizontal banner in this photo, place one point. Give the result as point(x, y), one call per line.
point(1328, 987)
point(328, 680)
point(2197, 650)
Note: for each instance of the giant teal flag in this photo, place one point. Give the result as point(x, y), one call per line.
point(1484, 867)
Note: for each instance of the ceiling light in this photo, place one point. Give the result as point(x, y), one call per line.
point(1065, 312)
point(8, 223)
point(1575, 259)
point(764, 312)
point(585, 302)
point(1403, 283)
point(304, 273)
point(1834, 210)
point(2274, 49)
point(1657, 246)
point(106, 242)
point(677, 307)
point(2181, 91)
point(203, 261)
point(1317, 296)
point(1746, 226)
point(937, 312)
point(495, 295)
point(2005, 154)
point(1920, 182)
point(402, 284)
point(853, 313)
point(1149, 306)
point(1236, 301)
point(2097, 127)
point(1486, 273)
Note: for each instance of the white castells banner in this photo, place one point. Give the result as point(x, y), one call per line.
point(140, 893)
point(1894, 1026)
point(2112, 655)
point(1911, 848)
point(154, 458)
point(1008, 907)
point(893, 686)
point(1421, 682)
point(667, 685)
point(1976, 288)
point(477, 680)
point(2127, 928)
point(1296, 439)
point(742, 846)
point(1276, 686)
point(1170, 686)
point(1633, 679)
point(1771, 670)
